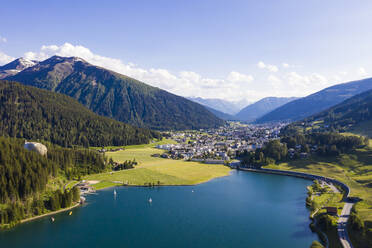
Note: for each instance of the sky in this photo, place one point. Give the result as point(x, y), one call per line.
point(234, 50)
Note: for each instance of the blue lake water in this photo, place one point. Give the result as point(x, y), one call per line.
point(241, 210)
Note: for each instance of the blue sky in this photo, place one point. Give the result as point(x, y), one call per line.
point(239, 50)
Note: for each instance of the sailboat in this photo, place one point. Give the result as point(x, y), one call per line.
point(114, 192)
point(52, 219)
point(150, 200)
point(70, 213)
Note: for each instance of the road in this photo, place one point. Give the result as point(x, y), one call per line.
point(331, 186)
point(342, 220)
point(345, 213)
point(341, 225)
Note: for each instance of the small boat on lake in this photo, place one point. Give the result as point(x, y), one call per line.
point(150, 200)
point(70, 213)
point(52, 219)
point(115, 192)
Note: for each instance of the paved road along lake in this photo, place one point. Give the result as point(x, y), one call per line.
point(241, 210)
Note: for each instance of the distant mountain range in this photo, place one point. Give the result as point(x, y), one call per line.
point(249, 113)
point(36, 114)
point(114, 95)
point(262, 107)
point(221, 105)
point(317, 102)
point(220, 114)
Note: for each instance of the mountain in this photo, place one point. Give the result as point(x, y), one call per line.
point(224, 106)
point(353, 114)
point(220, 114)
point(111, 94)
point(262, 107)
point(15, 66)
point(32, 113)
point(315, 103)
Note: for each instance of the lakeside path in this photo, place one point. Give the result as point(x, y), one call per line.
point(50, 213)
point(341, 225)
point(343, 219)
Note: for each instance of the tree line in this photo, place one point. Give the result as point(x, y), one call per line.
point(24, 176)
point(127, 164)
point(322, 144)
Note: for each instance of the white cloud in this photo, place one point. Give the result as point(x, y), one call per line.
point(272, 68)
point(3, 39)
point(261, 65)
point(302, 85)
point(4, 59)
point(273, 79)
point(362, 71)
point(239, 77)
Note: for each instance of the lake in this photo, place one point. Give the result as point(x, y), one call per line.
point(242, 210)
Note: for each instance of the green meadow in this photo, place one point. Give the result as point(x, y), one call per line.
point(354, 169)
point(155, 170)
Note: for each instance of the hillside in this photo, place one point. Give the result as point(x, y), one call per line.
point(30, 184)
point(116, 96)
point(354, 113)
point(31, 113)
point(261, 107)
point(221, 105)
point(317, 102)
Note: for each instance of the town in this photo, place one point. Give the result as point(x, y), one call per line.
point(221, 145)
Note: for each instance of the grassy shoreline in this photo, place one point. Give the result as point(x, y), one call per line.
point(329, 237)
point(50, 213)
point(353, 169)
point(9, 226)
point(161, 185)
point(155, 171)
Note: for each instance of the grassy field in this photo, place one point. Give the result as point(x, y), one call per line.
point(57, 183)
point(354, 169)
point(319, 200)
point(156, 170)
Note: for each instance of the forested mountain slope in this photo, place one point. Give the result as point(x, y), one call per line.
point(29, 182)
point(32, 113)
point(317, 102)
point(351, 114)
point(117, 96)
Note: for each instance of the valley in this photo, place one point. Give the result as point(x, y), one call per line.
point(92, 147)
point(222, 124)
